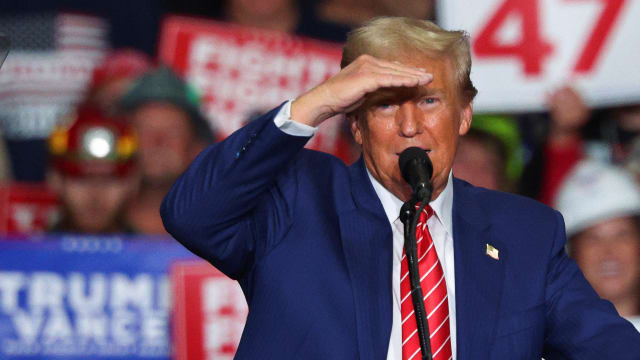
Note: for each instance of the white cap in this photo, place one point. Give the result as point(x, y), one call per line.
point(594, 192)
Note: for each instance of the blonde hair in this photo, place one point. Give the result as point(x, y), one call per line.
point(385, 36)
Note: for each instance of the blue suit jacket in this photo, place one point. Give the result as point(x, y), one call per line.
point(309, 242)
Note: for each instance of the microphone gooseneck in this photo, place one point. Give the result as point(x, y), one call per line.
point(416, 169)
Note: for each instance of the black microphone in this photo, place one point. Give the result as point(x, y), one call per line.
point(416, 169)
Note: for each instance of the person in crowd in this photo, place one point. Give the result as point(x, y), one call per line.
point(481, 159)
point(601, 207)
point(318, 246)
point(357, 12)
point(615, 139)
point(417, 9)
point(490, 154)
point(561, 148)
point(624, 136)
point(112, 78)
point(93, 171)
point(288, 16)
point(165, 113)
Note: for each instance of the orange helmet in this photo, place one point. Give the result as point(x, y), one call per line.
point(93, 144)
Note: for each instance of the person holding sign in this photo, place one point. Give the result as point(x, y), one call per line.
point(318, 246)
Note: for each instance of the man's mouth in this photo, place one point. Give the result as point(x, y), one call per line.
point(426, 150)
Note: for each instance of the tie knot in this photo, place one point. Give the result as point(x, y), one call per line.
point(427, 212)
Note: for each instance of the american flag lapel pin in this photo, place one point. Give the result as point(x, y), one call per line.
point(493, 252)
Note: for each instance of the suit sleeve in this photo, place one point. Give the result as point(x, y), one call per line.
point(580, 325)
point(236, 200)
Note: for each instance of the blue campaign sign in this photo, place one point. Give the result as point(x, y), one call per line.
point(82, 297)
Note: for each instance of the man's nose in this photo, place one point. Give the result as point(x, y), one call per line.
point(410, 120)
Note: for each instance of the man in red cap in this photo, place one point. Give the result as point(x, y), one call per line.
point(93, 172)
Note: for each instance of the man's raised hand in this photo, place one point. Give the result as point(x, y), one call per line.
point(346, 90)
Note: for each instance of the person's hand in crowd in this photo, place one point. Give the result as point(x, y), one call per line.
point(569, 114)
point(346, 90)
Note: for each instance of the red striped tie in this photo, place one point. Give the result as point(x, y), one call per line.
point(434, 290)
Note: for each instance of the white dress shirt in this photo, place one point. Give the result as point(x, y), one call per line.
point(440, 228)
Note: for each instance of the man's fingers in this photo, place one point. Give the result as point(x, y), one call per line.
point(396, 65)
point(346, 90)
point(376, 64)
point(398, 79)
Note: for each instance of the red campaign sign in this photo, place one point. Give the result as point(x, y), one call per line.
point(27, 208)
point(241, 72)
point(209, 312)
point(531, 49)
point(524, 49)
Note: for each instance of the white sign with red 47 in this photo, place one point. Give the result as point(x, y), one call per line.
point(522, 49)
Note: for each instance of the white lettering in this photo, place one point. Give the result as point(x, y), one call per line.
point(85, 297)
point(154, 328)
point(122, 327)
point(92, 326)
point(57, 327)
point(27, 324)
point(164, 294)
point(10, 285)
point(137, 292)
point(46, 289)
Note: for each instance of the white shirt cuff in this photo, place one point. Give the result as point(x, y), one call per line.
point(284, 122)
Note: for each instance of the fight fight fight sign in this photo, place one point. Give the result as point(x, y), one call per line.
point(524, 48)
point(242, 72)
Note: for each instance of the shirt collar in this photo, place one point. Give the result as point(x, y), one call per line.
point(442, 205)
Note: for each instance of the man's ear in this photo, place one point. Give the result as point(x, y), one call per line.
point(355, 127)
point(466, 115)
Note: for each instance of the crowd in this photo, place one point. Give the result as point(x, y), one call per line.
point(114, 155)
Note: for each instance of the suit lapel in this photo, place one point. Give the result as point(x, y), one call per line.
point(479, 278)
point(368, 249)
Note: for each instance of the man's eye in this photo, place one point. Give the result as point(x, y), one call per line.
point(385, 107)
point(430, 100)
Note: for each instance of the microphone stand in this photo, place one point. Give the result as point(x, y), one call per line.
point(409, 218)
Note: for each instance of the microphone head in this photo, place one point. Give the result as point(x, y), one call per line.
point(417, 156)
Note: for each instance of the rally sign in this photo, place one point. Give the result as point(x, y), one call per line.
point(84, 297)
point(206, 324)
point(242, 72)
point(27, 208)
point(523, 49)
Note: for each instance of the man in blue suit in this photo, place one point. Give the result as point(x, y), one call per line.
point(317, 247)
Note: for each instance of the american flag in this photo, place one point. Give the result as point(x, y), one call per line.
point(47, 72)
